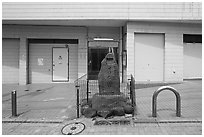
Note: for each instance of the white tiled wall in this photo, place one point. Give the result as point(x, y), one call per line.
point(192, 60)
point(173, 52)
point(46, 32)
point(78, 54)
point(120, 10)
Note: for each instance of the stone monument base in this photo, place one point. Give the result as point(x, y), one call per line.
point(109, 105)
point(104, 101)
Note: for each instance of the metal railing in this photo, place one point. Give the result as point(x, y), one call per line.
point(86, 88)
point(132, 94)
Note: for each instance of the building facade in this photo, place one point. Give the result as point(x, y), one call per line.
point(60, 42)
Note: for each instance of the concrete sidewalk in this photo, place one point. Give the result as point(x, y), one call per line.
point(46, 108)
point(40, 102)
point(90, 129)
point(191, 102)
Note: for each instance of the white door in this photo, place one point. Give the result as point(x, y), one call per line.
point(60, 64)
point(149, 57)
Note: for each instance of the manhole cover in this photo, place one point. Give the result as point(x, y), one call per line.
point(73, 128)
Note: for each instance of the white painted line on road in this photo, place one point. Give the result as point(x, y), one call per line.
point(53, 99)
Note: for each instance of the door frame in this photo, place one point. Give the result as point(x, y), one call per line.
point(67, 64)
point(90, 67)
point(98, 47)
point(157, 33)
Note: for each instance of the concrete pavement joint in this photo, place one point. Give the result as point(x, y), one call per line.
point(168, 121)
point(27, 121)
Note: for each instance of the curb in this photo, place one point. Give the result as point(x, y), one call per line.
point(33, 121)
point(168, 121)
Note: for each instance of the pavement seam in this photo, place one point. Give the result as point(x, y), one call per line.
point(167, 121)
point(22, 121)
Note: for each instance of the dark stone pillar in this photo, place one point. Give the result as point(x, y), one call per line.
point(108, 77)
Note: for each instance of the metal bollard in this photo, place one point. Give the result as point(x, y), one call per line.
point(13, 103)
point(154, 100)
point(77, 101)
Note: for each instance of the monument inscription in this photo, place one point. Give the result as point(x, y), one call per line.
point(108, 77)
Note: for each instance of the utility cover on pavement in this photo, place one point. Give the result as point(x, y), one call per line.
point(73, 128)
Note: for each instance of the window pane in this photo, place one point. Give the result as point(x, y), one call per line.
point(192, 38)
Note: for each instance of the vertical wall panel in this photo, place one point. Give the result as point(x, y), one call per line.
point(173, 56)
point(73, 62)
point(10, 61)
point(23, 60)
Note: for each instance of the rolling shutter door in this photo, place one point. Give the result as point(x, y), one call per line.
point(149, 57)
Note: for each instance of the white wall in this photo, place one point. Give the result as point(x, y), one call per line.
point(120, 10)
point(192, 60)
point(173, 52)
point(104, 32)
point(46, 32)
point(10, 61)
point(43, 73)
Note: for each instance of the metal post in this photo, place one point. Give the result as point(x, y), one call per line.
point(130, 89)
point(77, 101)
point(131, 96)
point(154, 106)
point(13, 103)
point(87, 92)
point(178, 106)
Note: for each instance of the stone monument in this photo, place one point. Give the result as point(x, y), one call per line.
point(108, 77)
point(109, 101)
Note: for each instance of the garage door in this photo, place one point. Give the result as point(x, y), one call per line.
point(10, 61)
point(149, 57)
point(192, 60)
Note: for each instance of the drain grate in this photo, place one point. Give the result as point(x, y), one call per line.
point(112, 122)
